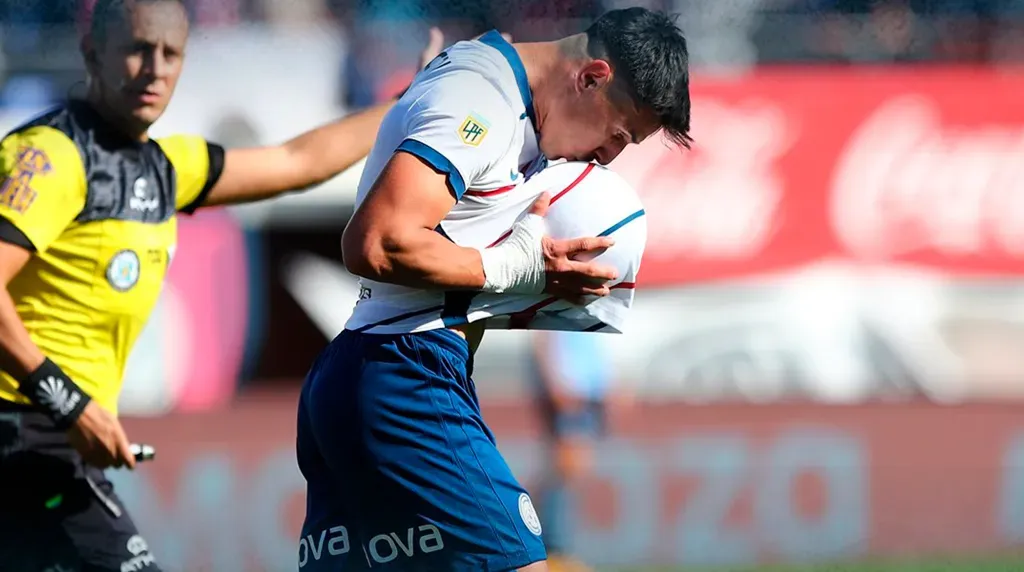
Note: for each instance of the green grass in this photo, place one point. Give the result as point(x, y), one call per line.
point(995, 564)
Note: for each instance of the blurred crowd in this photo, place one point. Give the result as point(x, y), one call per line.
point(39, 42)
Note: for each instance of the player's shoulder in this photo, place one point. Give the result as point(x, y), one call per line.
point(182, 147)
point(41, 143)
point(469, 71)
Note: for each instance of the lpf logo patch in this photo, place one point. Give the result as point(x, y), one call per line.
point(123, 270)
point(529, 514)
point(473, 130)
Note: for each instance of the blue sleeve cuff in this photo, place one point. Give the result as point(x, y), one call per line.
point(439, 162)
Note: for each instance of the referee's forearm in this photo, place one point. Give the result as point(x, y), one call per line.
point(330, 149)
point(19, 355)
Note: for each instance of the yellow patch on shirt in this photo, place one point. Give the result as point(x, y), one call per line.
point(473, 130)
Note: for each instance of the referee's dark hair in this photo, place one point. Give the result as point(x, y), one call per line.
point(648, 50)
point(108, 12)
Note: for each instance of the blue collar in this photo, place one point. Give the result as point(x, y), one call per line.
point(494, 39)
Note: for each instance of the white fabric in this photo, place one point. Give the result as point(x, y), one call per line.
point(516, 266)
point(477, 81)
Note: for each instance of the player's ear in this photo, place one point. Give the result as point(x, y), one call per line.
point(594, 75)
point(88, 47)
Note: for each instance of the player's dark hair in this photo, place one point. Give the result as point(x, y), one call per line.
point(108, 12)
point(648, 50)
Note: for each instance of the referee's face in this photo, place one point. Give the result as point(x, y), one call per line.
point(137, 65)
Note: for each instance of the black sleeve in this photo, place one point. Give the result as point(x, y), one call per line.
point(13, 235)
point(216, 158)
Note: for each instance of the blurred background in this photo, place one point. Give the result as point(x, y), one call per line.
point(826, 361)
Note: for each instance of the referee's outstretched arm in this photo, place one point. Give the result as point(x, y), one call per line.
point(307, 160)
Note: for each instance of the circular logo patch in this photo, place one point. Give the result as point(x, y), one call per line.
point(123, 271)
point(529, 515)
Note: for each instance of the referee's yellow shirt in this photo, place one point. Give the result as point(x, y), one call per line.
point(98, 211)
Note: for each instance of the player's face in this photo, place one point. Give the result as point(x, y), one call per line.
point(595, 120)
point(138, 65)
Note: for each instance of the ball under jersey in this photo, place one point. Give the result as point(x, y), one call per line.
point(469, 114)
point(98, 213)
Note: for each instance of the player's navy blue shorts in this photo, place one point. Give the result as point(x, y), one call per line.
point(401, 471)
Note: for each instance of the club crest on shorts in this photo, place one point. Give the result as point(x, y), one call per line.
point(473, 130)
point(123, 270)
point(529, 514)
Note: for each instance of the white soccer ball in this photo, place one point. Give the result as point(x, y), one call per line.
point(587, 200)
point(590, 200)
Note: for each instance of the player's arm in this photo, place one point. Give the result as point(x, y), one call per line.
point(392, 237)
point(209, 175)
point(455, 132)
point(43, 190)
point(19, 356)
point(225, 177)
point(305, 161)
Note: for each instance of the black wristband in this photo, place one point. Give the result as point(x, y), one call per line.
point(53, 393)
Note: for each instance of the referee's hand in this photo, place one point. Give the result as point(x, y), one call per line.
point(98, 437)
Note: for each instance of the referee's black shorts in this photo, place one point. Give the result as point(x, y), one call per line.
point(56, 513)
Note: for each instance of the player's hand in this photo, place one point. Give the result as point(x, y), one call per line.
point(98, 437)
point(434, 46)
point(567, 263)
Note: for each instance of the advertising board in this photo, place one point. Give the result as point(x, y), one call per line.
point(673, 484)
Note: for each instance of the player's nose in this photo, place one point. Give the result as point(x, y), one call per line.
point(610, 150)
point(607, 154)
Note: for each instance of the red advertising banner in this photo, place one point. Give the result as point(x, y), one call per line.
point(672, 484)
point(923, 166)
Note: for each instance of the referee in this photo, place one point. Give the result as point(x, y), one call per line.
point(88, 206)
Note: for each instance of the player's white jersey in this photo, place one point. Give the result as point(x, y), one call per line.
point(470, 115)
point(587, 200)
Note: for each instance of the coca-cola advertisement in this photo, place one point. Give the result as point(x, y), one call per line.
point(795, 166)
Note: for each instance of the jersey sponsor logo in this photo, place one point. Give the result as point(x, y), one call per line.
point(141, 558)
point(473, 130)
point(123, 270)
point(16, 192)
point(337, 544)
point(381, 549)
point(529, 514)
point(141, 199)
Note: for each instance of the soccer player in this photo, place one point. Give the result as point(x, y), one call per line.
point(402, 473)
point(87, 230)
point(571, 380)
